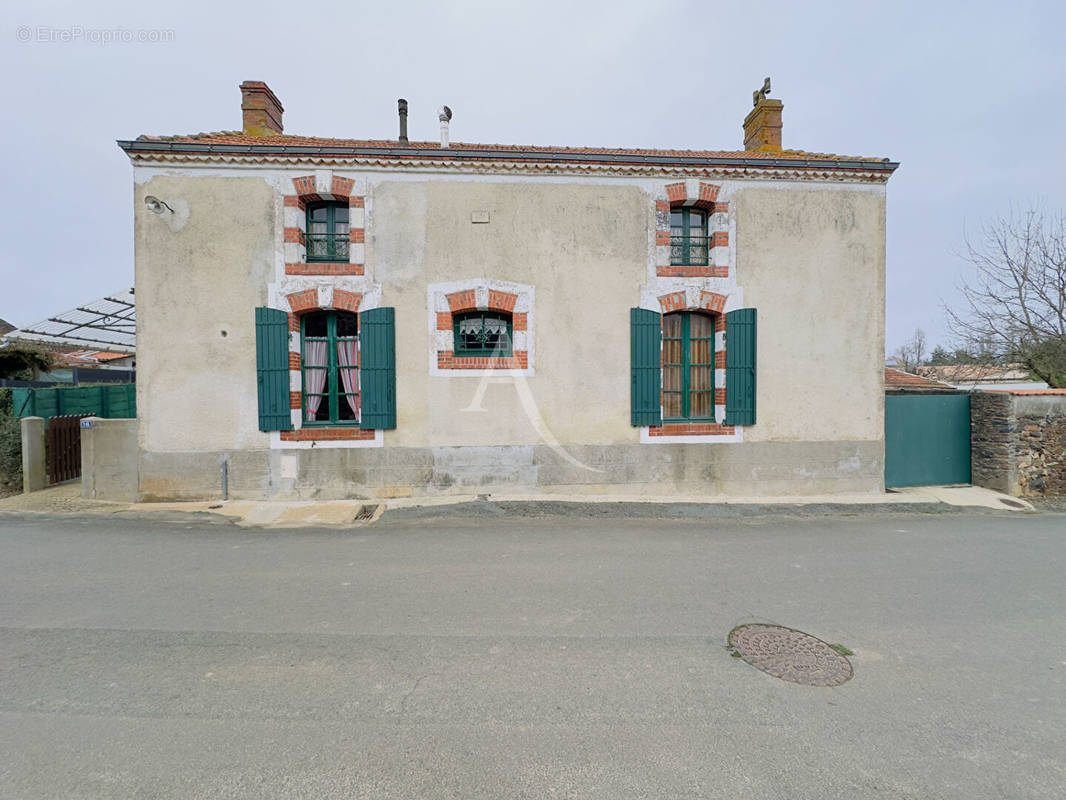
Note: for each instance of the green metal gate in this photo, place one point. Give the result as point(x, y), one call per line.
point(927, 439)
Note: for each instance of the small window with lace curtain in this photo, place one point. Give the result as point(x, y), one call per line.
point(330, 367)
point(483, 334)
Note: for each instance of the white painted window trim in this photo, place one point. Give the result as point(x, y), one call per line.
point(277, 294)
point(659, 285)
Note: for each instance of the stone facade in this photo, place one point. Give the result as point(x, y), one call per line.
point(1018, 442)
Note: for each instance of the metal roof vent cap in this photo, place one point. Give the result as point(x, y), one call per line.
point(402, 107)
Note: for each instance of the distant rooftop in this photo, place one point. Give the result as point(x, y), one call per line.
point(898, 379)
point(977, 373)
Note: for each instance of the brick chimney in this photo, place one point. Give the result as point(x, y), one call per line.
point(762, 126)
point(261, 109)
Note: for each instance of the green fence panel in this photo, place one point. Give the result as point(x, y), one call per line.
point(112, 401)
point(927, 439)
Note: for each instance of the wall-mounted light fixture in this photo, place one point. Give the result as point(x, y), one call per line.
point(155, 205)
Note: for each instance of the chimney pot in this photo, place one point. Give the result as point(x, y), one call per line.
point(762, 126)
point(445, 117)
point(261, 110)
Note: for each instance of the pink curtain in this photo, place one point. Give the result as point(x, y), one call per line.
point(348, 363)
point(315, 375)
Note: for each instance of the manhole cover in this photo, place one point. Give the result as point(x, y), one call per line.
point(790, 655)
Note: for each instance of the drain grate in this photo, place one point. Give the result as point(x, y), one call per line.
point(790, 655)
point(366, 513)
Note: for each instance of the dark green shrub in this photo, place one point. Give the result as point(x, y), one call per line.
point(10, 444)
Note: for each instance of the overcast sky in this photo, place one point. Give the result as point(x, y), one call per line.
point(968, 96)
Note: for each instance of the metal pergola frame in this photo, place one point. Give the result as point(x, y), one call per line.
point(109, 323)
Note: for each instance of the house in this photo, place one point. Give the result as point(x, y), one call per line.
point(331, 318)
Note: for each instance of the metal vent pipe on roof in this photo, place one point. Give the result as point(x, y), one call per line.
point(403, 119)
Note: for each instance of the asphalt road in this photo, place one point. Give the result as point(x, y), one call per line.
point(553, 657)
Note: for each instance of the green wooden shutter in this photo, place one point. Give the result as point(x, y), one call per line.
point(645, 338)
point(377, 349)
point(740, 349)
point(272, 365)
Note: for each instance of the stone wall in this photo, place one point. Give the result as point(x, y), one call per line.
point(1018, 442)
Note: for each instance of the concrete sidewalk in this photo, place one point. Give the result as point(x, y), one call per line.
point(66, 499)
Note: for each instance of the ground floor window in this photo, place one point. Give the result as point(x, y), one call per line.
point(330, 367)
point(688, 366)
point(483, 334)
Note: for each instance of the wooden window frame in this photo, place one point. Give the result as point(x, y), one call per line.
point(331, 231)
point(332, 394)
point(686, 365)
point(686, 238)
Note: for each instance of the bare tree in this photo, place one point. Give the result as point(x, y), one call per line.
point(911, 355)
point(1016, 300)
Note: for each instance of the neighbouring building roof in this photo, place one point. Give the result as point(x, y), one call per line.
point(5, 327)
point(898, 379)
point(108, 323)
point(84, 357)
point(976, 373)
point(1028, 391)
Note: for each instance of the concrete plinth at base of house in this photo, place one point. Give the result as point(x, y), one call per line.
point(752, 469)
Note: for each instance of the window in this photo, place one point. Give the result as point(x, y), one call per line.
point(688, 237)
point(483, 333)
point(330, 367)
point(688, 366)
point(327, 232)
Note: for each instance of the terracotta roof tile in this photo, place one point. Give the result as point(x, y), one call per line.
point(238, 138)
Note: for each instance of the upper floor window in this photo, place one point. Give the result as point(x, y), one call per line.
point(330, 367)
point(327, 232)
point(483, 334)
point(688, 366)
point(688, 237)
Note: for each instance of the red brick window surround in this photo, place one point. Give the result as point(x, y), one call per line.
point(300, 303)
point(308, 190)
point(714, 304)
point(704, 197)
point(449, 302)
